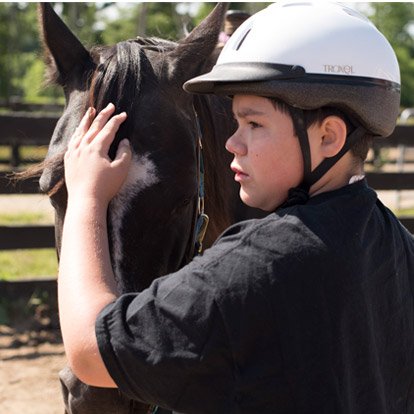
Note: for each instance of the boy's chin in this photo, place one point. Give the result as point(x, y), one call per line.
point(254, 203)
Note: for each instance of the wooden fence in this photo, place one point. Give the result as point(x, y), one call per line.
point(29, 129)
point(19, 128)
point(16, 130)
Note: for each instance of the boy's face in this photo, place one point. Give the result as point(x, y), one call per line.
point(267, 155)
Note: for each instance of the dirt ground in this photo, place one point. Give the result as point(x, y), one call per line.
point(29, 366)
point(31, 355)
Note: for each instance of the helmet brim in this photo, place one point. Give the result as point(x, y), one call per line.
point(242, 72)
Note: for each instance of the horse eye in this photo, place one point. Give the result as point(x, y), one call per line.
point(186, 201)
point(181, 205)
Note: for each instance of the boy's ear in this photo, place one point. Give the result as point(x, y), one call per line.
point(333, 130)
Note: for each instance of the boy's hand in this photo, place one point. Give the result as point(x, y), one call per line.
point(89, 172)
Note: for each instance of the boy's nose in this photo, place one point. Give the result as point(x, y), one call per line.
point(235, 145)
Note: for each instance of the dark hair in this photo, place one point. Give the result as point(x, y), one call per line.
point(316, 116)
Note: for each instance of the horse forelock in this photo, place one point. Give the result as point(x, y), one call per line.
point(117, 76)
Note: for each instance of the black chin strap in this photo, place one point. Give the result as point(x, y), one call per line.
point(311, 177)
point(298, 119)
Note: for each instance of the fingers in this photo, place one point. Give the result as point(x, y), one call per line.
point(83, 127)
point(89, 171)
point(106, 135)
point(99, 123)
point(123, 154)
point(86, 121)
point(101, 128)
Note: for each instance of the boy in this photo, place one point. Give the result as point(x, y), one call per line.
point(309, 310)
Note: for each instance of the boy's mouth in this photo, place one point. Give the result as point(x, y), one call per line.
point(240, 174)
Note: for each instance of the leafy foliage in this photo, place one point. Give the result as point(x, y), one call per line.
point(396, 22)
point(21, 65)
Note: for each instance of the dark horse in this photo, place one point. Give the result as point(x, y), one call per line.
point(152, 220)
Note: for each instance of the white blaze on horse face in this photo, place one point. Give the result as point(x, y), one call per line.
point(142, 174)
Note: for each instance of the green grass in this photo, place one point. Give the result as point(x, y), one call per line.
point(23, 218)
point(406, 212)
point(28, 263)
point(33, 152)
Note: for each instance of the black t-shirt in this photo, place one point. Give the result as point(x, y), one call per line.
point(309, 310)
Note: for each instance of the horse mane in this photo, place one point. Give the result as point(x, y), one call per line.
point(214, 133)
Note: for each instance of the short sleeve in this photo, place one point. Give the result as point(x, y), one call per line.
point(168, 346)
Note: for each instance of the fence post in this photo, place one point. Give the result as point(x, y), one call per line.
point(15, 156)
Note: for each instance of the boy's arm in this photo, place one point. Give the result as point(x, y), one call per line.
point(86, 281)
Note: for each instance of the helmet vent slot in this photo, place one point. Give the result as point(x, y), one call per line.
point(297, 4)
point(243, 39)
point(353, 13)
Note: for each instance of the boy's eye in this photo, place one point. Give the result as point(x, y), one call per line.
point(254, 125)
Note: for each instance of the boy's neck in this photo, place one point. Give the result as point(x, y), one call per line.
point(338, 176)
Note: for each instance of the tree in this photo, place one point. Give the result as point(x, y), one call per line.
point(159, 19)
point(18, 31)
point(396, 22)
point(111, 22)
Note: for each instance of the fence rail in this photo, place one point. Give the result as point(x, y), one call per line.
point(391, 180)
point(26, 128)
point(402, 135)
point(36, 129)
point(26, 237)
point(18, 129)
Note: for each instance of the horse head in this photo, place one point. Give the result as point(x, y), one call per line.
point(152, 220)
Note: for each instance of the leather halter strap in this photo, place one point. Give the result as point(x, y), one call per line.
point(202, 218)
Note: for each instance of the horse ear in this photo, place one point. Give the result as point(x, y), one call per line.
point(191, 54)
point(63, 49)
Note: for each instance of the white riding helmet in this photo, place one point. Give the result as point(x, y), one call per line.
point(311, 55)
